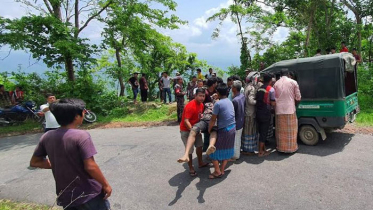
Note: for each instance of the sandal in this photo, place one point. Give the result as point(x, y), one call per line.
point(193, 174)
point(214, 176)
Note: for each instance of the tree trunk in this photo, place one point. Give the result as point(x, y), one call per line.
point(359, 26)
point(309, 28)
point(120, 76)
point(69, 66)
point(242, 37)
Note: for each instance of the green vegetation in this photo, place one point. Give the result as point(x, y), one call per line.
point(132, 42)
point(21, 128)
point(142, 113)
point(10, 205)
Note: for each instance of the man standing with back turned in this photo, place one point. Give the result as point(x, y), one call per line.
point(80, 184)
point(287, 93)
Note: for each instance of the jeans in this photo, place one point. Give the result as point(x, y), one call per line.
point(97, 203)
point(135, 92)
point(168, 91)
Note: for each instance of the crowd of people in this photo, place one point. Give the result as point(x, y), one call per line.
point(225, 120)
point(10, 98)
point(330, 51)
point(237, 118)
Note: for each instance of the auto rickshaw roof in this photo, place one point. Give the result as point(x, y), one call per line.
point(320, 62)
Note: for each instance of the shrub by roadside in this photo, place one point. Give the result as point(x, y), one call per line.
point(10, 205)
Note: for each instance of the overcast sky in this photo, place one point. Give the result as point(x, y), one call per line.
point(196, 36)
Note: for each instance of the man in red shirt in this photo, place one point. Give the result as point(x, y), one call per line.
point(344, 48)
point(191, 115)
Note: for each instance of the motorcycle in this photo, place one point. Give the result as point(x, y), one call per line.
point(89, 116)
point(20, 113)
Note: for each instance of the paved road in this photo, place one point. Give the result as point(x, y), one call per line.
point(140, 164)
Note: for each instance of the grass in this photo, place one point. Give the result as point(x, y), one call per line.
point(142, 113)
point(28, 126)
point(10, 205)
point(149, 112)
point(365, 118)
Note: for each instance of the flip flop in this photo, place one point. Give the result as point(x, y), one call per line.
point(193, 174)
point(204, 165)
point(213, 176)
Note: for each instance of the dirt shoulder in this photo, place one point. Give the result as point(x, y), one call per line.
point(350, 128)
point(99, 126)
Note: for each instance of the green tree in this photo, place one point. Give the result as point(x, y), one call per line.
point(240, 12)
point(53, 34)
point(130, 27)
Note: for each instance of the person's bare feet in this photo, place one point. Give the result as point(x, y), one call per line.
point(183, 159)
point(211, 149)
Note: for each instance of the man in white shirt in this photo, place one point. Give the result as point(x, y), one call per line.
point(51, 122)
point(166, 80)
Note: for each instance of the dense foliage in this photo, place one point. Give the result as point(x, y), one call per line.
point(132, 42)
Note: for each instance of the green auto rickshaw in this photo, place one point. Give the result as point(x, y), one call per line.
point(328, 85)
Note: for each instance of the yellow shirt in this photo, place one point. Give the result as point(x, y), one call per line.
point(199, 76)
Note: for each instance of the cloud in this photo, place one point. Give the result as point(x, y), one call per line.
point(201, 22)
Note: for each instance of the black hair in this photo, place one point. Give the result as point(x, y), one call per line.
point(199, 70)
point(229, 79)
point(236, 77)
point(210, 69)
point(49, 95)
point(200, 90)
point(211, 81)
point(165, 72)
point(194, 77)
point(292, 74)
point(268, 77)
point(65, 110)
point(1, 85)
point(353, 49)
point(222, 89)
point(343, 42)
point(143, 74)
point(318, 50)
point(219, 80)
point(333, 48)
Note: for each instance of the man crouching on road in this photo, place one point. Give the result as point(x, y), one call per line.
point(80, 183)
point(191, 115)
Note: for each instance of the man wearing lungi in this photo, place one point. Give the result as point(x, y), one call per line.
point(287, 94)
point(239, 115)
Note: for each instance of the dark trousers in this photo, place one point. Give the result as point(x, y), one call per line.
point(263, 122)
point(166, 91)
point(206, 141)
point(97, 203)
point(144, 95)
point(180, 107)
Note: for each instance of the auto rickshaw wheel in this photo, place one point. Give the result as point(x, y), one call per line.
point(308, 135)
